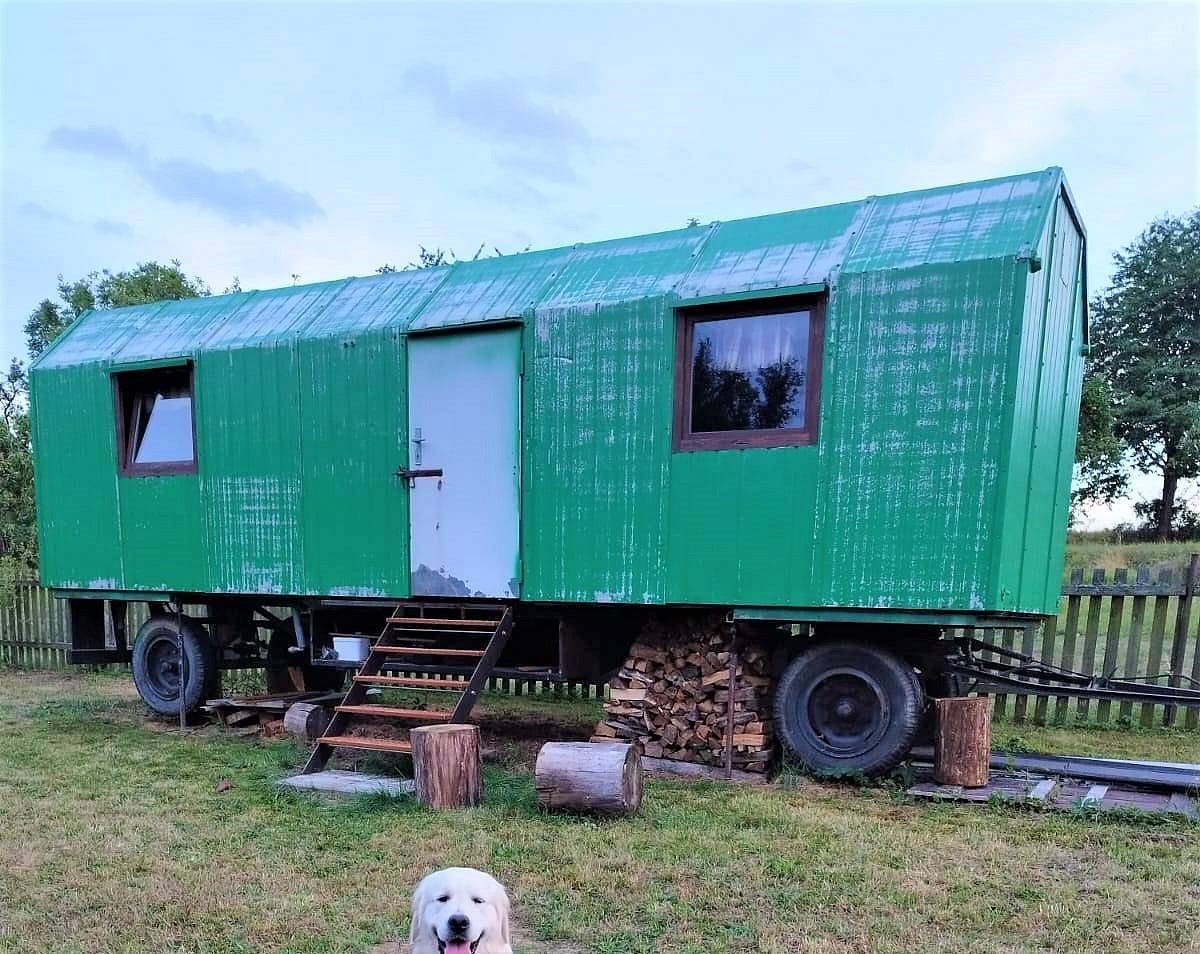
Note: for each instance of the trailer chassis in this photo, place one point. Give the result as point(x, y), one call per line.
point(1015, 670)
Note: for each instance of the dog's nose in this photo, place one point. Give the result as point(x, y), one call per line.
point(458, 923)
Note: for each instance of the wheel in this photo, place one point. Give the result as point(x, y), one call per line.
point(315, 678)
point(937, 685)
point(156, 664)
point(847, 708)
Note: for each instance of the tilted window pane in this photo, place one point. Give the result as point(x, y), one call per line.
point(750, 373)
point(168, 434)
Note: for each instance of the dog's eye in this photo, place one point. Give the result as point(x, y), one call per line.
point(443, 899)
point(477, 900)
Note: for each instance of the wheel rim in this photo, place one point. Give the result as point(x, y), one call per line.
point(845, 712)
point(162, 665)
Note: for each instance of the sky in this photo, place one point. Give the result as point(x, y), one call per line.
point(284, 142)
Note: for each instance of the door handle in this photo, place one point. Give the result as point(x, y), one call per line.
point(410, 474)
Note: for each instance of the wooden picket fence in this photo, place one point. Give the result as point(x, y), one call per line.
point(1143, 624)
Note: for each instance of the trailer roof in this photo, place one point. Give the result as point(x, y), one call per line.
point(766, 254)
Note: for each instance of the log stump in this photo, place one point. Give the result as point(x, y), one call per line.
point(446, 765)
point(602, 778)
point(306, 721)
point(963, 745)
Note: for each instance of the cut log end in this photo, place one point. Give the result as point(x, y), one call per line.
point(963, 745)
point(447, 768)
point(306, 721)
point(603, 778)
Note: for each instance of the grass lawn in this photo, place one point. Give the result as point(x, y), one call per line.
point(114, 837)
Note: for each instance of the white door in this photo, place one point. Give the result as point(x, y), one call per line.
point(463, 427)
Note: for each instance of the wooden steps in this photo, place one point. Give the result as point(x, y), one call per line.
point(418, 621)
point(429, 651)
point(393, 712)
point(414, 682)
point(362, 742)
point(387, 652)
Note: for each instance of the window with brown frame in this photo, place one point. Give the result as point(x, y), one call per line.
point(748, 376)
point(156, 432)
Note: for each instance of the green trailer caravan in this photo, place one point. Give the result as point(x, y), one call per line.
point(848, 429)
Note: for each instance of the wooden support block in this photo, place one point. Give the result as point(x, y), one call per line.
point(447, 766)
point(604, 778)
point(963, 746)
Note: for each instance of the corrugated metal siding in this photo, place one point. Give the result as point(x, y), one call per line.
point(247, 429)
point(1048, 398)
point(176, 327)
point(97, 335)
point(741, 526)
point(982, 220)
point(915, 379)
point(74, 454)
point(625, 269)
point(353, 425)
point(774, 251)
point(268, 317)
point(491, 289)
point(597, 448)
point(375, 303)
point(301, 421)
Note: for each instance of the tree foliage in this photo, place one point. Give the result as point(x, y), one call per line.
point(146, 282)
point(1098, 450)
point(1147, 332)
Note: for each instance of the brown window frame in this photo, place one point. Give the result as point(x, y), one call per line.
point(685, 321)
point(123, 382)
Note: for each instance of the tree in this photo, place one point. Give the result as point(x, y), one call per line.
point(1147, 331)
point(146, 282)
point(1098, 451)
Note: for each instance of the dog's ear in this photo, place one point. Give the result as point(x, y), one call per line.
point(418, 928)
point(502, 906)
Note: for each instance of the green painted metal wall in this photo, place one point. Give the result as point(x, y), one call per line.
point(939, 480)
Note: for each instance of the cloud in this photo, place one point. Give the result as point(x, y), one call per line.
point(35, 210)
point(547, 165)
point(1082, 80)
point(501, 109)
point(539, 140)
point(113, 227)
point(243, 197)
point(513, 194)
point(222, 128)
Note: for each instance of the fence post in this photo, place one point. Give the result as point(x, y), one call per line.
point(1183, 612)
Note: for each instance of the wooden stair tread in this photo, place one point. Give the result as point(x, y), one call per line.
point(429, 621)
point(394, 712)
point(413, 682)
point(362, 742)
point(428, 651)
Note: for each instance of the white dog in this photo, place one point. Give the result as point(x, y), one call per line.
point(460, 911)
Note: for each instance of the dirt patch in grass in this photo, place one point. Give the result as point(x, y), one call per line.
point(116, 837)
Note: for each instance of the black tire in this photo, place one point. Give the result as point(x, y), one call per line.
point(849, 708)
point(316, 678)
point(156, 665)
point(939, 685)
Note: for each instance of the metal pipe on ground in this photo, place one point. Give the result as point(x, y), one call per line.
point(1165, 775)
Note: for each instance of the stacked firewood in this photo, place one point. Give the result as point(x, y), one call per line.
point(672, 695)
